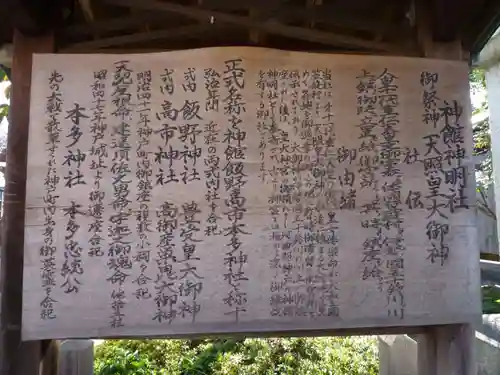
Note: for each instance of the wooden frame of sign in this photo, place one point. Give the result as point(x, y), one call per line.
point(445, 337)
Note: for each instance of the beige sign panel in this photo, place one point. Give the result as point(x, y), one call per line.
point(231, 190)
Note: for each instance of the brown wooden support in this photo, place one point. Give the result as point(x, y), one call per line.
point(34, 17)
point(447, 350)
point(428, 45)
point(16, 357)
point(424, 28)
point(255, 36)
point(267, 9)
point(179, 32)
point(311, 35)
point(113, 24)
point(329, 14)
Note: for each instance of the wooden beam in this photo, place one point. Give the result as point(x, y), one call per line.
point(88, 13)
point(449, 51)
point(169, 47)
point(16, 357)
point(267, 9)
point(423, 27)
point(324, 13)
point(113, 24)
point(448, 18)
point(480, 26)
point(33, 17)
point(179, 32)
point(429, 47)
point(87, 10)
point(269, 27)
point(388, 21)
point(255, 36)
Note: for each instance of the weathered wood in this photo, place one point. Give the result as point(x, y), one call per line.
point(255, 36)
point(310, 4)
point(481, 27)
point(385, 30)
point(50, 357)
point(361, 306)
point(441, 350)
point(448, 51)
point(114, 24)
point(426, 353)
point(185, 31)
point(17, 357)
point(324, 13)
point(33, 17)
point(423, 26)
point(88, 13)
point(76, 357)
point(371, 331)
point(455, 350)
point(447, 18)
point(161, 48)
point(429, 48)
point(268, 9)
point(274, 28)
point(87, 10)
point(447, 350)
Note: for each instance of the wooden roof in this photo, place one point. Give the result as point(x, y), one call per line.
point(398, 27)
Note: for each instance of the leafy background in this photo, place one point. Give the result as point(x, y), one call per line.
point(287, 356)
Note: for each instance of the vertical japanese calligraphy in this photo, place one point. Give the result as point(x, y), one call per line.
point(191, 283)
point(48, 249)
point(302, 204)
point(98, 154)
point(119, 231)
point(73, 160)
point(392, 221)
point(212, 173)
point(235, 178)
point(368, 166)
point(380, 155)
point(245, 190)
point(444, 171)
point(179, 283)
point(166, 296)
point(144, 183)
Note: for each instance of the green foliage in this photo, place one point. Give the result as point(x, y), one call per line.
point(159, 354)
point(277, 356)
point(125, 363)
point(481, 130)
point(4, 111)
point(4, 108)
point(491, 300)
point(477, 80)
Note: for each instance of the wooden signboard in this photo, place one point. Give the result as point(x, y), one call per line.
point(231, 190)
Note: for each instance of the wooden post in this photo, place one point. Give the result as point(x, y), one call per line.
point(49, 364)
point(426, 354)
point(17, 357)
point(455, 350)
point(447, 350)
point(76, 357)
